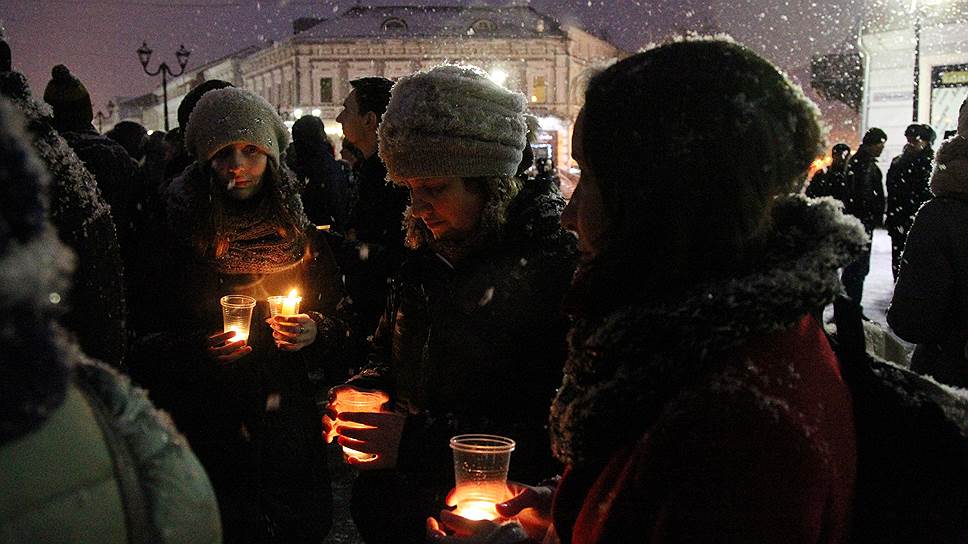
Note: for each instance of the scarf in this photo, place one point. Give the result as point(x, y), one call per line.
point(625, 368)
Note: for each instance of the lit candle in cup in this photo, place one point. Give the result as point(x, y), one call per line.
point(352, 400)
point(237, 315)
point(477, 509)
point(480, 471)
point(284, 305)
point(240, 334)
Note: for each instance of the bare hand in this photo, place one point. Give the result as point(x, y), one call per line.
point(292, 332)
point(223, 350)
point(453, 529)
point(381, 438)
point(528, 505)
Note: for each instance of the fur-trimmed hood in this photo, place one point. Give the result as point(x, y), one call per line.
point(623, 370)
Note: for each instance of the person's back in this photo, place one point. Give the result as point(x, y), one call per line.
point(96, 304)
point(326, 193)
point(907, 187)
point(85, 456)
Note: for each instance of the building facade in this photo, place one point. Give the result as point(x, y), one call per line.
point(310, 71)
point(936, 33)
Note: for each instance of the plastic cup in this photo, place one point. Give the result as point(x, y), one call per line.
point(481, 464)
point(284, 305)
point(353, 400)
point(237, 315)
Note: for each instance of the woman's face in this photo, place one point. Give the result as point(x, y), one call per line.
point(585, 213)
point(446, 205)
point(240, 167)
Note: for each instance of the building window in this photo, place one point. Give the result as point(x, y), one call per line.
point(394, 24)
point(325, 89)
point(539, 91)
point(483, 25)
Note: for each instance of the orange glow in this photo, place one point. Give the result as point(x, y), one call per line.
point(476, 509)
point(290, 305)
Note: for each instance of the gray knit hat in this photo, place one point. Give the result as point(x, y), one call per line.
point(231, 115)
point(452, 121)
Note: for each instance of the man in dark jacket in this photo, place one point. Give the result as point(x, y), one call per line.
point(374, 233)
point(908, 187)
point(324, 186)
point(865, 201)
point(832, 180)
point(114, 170)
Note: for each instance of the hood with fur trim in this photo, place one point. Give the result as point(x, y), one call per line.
point(624, 369)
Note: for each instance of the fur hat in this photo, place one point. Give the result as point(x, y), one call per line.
point(452, 121)
point(230, 115)
point(69, 98)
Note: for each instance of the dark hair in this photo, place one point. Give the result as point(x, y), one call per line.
point(372, 94)
point(839, 148)
point(131, 136)
point(690, 144)
point(211, 239)
point(874, 136)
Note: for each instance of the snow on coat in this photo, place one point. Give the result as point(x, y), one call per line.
point(720, 415)
point(83, 221)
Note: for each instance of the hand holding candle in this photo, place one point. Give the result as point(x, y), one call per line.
point(370, 437)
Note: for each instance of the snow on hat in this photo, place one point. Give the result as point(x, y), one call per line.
point(452, 121)
point(231, 115)
point(191, 99)
point(69, 98)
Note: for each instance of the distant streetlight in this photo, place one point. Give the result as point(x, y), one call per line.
point(498, 76)
point(101, 117)
point(144, 55)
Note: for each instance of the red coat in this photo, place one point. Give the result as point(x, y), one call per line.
point(760, 453)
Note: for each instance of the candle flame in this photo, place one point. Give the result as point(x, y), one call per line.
point(293, 293)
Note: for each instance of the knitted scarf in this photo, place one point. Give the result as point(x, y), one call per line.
point(252, 228)
point(624, 369)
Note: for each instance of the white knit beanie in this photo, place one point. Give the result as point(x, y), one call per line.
point(231, 115)
point(452, 121)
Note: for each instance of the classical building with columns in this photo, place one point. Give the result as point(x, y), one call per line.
point(310, 71)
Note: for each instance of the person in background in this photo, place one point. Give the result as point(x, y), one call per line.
point(374, 233)
point(832, 180)
point(113, 169)
point(473, 338)
point(132, 137)
point(182, 155)
point(865, 201)
point(325, 192)
point(907, 187)
point(85, 456)
point(701, 401)
point(930, 303)
point(235, 226)
point(95, 306)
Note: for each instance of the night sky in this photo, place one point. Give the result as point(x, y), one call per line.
point(98, 39)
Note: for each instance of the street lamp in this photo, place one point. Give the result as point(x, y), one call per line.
point(144, 55)
point(101, 117)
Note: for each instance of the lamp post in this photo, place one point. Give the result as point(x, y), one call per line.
point(144, 55)
point(101, 117)
point(917, 57)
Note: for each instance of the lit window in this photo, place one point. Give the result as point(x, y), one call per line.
point(539, 91)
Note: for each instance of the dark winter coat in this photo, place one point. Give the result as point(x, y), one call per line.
point(930, 304)
point(865, 189)
point(370, 255)
point(828, 182)
point(253, 422)
point(326, 190)
point(84, 457)
point(83, 221)
point(115, 172)
point(471, 348)
point(908, 181)
point(718, 417)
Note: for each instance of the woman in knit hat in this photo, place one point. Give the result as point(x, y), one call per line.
point(236, 227)
point(473, 339)
point(701, 401)
point(930, 304)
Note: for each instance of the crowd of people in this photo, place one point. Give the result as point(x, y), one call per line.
point(653, 346)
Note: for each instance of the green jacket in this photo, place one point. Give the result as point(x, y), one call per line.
point(105, 467)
